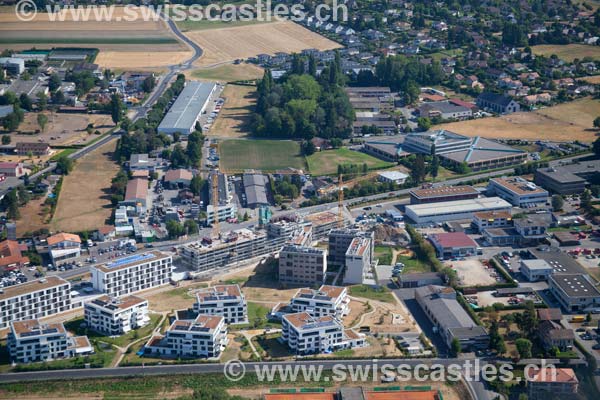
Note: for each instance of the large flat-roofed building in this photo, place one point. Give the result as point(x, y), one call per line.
point(368, 91)
point(225, 208)
point(444, 110)
point(205, 336)
point(305, 334)
point(454, 210)
point(440, 141)
point(420, 279)
point(452, 321)
point(574, 292)
point(560, 262)
point(339, 241)
point(302, 265)
point(567, 179)
point(143, 162)
point(327, 300)
point(518, 191)
point(32, 340)
point(226, 301)
point(322, 223)
point(453, 244)
point(255, 189)
point(359, 260)
point(533, 227)
point(442, 194)
point(132, 273)
point(546, 383)
point(114, 316)
point(186, 110)
point(236, 246)
point(34, 299)
point(388, 148)
point(492, 219)
point(485, 154)
point(536, 270)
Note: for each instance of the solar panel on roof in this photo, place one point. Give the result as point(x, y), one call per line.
point(130, 259)
point(50, 330)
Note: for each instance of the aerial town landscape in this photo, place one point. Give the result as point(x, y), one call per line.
point(416, 184)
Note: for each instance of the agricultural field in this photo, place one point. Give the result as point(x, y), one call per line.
point(234, 117)
point(125, 42)
point(266, 155)
point(228, 44)
point(228, 72)
point(189, 25)
point(567, 52)
point(84, 201)
point(564, 122)
point(326, 162)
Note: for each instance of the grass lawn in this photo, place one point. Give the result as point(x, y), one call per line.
point(368, 292)
point(384, 254)
point(412, 265)
point(229, 73)
point(567, 52)
point(266, 155)
point(326, 162)
point(257, 318)
point(121, 341)
point(103, 356)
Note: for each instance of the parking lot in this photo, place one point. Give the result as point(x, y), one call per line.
point(473, 272)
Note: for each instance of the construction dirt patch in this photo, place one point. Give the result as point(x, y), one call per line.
point(564, 122)
point(84, 201)
point(472, 272)
point(228, 44)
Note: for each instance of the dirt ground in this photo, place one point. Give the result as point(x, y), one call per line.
point(234, 116)
point(472, 272)
point(160, 57)
point(564, 122)
point(33, 216)
point(591, 79)
point(389, 318)
point(84, 201)
point(228, 44)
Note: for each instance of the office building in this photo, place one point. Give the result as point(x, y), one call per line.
point(302, 265)
point(34, 299)
point(567, 179)
point(454, 210)
point(187, 109)
point(15, 66)
point(305, 334)
point(536, 270)
point(449, 318)
point(483, 154)
point(492, 219)
point(518, 192)
point(203, 337)
point(132, 273)
point(438, 141)
point(226, 301)
point(533, 227)
point(31, 340)
point(359, 260)
point(114, 316)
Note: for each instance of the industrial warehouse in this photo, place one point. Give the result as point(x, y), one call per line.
point(188, 108)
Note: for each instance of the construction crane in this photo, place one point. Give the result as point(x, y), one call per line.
point(340, 216)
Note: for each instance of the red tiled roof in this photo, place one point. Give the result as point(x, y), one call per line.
point(62, 237)
point(562, 375)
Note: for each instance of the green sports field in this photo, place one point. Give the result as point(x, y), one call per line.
point(266, 155)
point(326, 162)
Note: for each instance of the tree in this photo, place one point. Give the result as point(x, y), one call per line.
point(42, 101)
point(42, 120)
point(65, 164)
point(191, 227)
point(11, 121)
point(523, 396)
point(523, 347)
point(54, 83)
point(116, 108)
point(5, 139)
point(148, 84)
point(25, 102)
point(455, 347)
point(10, 204)
point(557, 202)
point(596, 147)
point(175, 229)
point(424, 123)
point(308, 148)
point(435, 166)
point(418, 171)
point(196, 185)
point(597, 122)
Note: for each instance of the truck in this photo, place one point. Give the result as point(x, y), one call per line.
point(578, 318)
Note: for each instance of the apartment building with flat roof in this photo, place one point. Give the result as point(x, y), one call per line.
point(226, 301)
point(132, 273)
point(203, 337)
point(359, 260)
point(302, 265)
point(114, 316)
point(327, 300)
point(305, 334)
point(339, 241)
point(492, 219)
point(34, 299)
point(31, 340)
point(518, 191)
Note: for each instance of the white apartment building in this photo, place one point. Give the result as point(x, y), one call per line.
point(114, 316)
point(31, 340)
point(339, 242)
point(301, 265)
point(492, 219)
point(328, 300)
point(63, 247)
point(518, 191)
point(359, 260)
point(206, 336)
point(305, 334)
point(226, 301)
point(132, 273)
point(34, 299)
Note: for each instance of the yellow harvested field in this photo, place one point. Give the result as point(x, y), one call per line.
point(567, 52)
point(564, 122)
point(84, 201)
point(228, 44)
point(140, 60)
point(591, 79)
point(234, 117)
point(227, 72)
